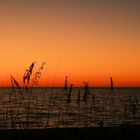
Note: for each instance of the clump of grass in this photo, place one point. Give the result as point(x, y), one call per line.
point(26, 80)
point(16, 101)
point(27, 75)
point(33, 110)
point(38, 74)
point(15, 85)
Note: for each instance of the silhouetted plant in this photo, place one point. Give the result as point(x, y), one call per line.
point(38, 74)
point(15, 85)
point(31, 112)
point(65, 89)
point(111, 84)
point(28, 73)
point(86, 91)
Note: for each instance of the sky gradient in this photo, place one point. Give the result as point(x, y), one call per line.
point(86, 40)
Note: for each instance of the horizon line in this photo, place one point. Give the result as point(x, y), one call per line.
point(73, 87)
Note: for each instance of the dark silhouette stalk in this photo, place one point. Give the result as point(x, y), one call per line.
point(27, 75)
point(111, 84)
point(65, 89)
point(86, 92)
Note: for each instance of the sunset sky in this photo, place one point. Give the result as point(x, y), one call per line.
point(86, 40)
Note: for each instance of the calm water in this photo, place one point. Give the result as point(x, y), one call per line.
point(48, 108)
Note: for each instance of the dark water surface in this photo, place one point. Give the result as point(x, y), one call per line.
point(48, 108)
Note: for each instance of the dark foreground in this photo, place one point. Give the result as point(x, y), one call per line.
point(120, 132)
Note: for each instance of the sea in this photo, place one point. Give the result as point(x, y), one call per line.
point(41, 108)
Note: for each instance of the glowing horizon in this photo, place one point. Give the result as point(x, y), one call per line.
point(82, 39)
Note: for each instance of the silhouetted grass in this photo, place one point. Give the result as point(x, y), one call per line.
point(38, 74)
point(28, 73)
point(27, 110)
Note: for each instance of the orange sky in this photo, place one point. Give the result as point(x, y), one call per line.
point(87, 40)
